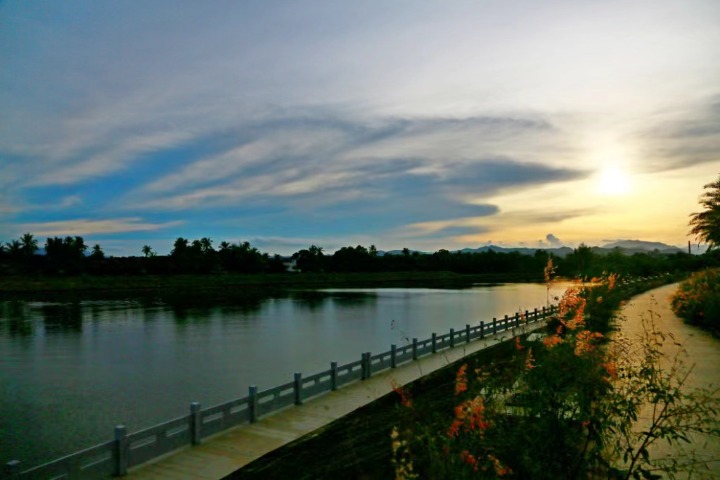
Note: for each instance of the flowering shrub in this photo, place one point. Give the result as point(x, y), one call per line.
point(563, 407)
point(698, 300)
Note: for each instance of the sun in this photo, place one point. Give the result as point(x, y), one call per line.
point(613, 181)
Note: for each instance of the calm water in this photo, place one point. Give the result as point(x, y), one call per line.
point(70, 372)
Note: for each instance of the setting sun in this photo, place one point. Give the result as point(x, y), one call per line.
point(613, 181)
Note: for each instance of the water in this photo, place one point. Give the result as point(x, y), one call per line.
point(71, 371)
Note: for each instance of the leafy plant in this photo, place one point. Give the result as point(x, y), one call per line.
point(574, 404)
point(698, 300)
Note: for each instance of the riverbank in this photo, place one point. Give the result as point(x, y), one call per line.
point(33, 286)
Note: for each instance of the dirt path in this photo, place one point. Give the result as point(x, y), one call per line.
point(703, 351)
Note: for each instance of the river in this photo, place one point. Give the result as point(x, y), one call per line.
point(71, 371)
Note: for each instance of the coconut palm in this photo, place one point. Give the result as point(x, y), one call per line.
point(148, 251)
point(29, 245)
point(97, 252)
point(706, 224)
point(206, 245)
point(14, 248)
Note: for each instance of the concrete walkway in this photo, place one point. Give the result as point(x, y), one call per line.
point(228, 451)
point(703, 351)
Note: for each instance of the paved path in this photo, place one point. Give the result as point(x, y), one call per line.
point(703, 351)
point(228, 451)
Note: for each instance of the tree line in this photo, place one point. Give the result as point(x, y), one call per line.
point(72, 256)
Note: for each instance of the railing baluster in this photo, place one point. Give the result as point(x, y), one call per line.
point(195, 424)
point(252, 403)
point(122, 449)
point(333, 376)
point(297, 388)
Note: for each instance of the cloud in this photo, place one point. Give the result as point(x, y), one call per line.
point(70, 201)
point(321, 160)
point(552, 240)
point(91, 227)
point(684, 138)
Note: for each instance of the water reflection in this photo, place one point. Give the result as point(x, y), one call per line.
point(14, 320)
point(62, 318)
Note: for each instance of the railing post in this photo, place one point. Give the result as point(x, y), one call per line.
point(414, 350)
point(482, 329)
point(364, 366)
point(195, 424)
point(393, 356)
point(333, 376)
point(543, 313)
point(517, 319)
point(252, 404)
point(297, 387)
point(122, 448)
point(452, 338)
point(434, 343)
point(12, 469)
point(535, 315)
point(507, 322)
point(494, 325)
point(467, 333)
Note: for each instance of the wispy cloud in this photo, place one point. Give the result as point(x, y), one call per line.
point(690, 136)
point(83, 226)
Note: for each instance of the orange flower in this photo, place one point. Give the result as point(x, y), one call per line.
point(529, 360)
point(461, 380)
point(552, 341)
point(470, 459)
point(611, 369)
point(470, 415)
point(584, 341)
point(405, 397)
point(518, 345)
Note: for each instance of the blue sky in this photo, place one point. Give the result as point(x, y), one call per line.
point(419, 124)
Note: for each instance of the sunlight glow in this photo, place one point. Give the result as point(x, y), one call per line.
point(613, 181)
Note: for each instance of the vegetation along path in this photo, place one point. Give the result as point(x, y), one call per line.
point(703, 355)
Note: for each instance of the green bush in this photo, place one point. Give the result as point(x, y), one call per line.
point(698, 300)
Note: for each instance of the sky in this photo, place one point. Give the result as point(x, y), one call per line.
point(419, 124)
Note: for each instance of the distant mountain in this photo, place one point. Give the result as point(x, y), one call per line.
point(639, 246)
point(559, 251)
point(400, 252)
point(626, 246)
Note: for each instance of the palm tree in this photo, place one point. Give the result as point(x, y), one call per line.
point(206, 245)
point(706, 224)
point(29, 244)
point(14, 248)
point(148, 251)
point(180, 246)
point(97, 252)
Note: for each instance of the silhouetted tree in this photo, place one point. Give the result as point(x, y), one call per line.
point(206, 245)
point(148, 251)
point(97, 253)
point(14, 248)
point(311, 259)
point(29, 245)
point(706, 224)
